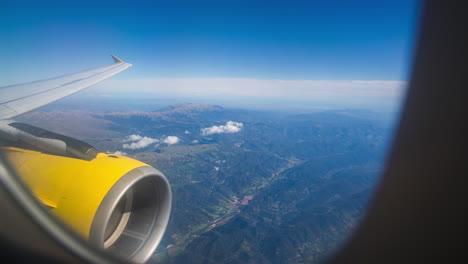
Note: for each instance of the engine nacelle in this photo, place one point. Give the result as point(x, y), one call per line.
point(119, 204)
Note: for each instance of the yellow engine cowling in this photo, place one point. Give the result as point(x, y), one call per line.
point(117, 203)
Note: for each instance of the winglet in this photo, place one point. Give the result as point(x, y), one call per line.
point(116, 60)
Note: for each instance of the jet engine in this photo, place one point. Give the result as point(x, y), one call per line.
point(117, 203)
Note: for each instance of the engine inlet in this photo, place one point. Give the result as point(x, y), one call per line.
point(132, 218)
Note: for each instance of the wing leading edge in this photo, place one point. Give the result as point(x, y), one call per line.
point(19, 99)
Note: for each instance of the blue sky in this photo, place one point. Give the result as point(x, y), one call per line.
point(265, 40)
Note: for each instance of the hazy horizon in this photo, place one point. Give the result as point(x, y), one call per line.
point(303, 55)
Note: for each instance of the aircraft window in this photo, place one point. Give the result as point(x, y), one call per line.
point(224, 132)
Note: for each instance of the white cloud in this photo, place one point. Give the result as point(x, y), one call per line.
point(138, 142)
point(118, 152)
point(230, 127)
point(187, 132)
point(195, 141)
point(170, 140)
point(133, 138)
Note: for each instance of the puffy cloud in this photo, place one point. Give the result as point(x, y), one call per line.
point(133, 138)
point(138, 142)
point(118, 152)
point(195, 141)
point(230, 127)
point(170, 140)
point(187, 132)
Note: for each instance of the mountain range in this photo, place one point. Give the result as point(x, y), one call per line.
point(269, 187)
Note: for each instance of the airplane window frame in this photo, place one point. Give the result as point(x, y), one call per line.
point(433, 46)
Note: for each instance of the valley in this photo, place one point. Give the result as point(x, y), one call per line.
point(266, 188)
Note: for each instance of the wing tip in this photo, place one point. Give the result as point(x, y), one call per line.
point(116, 59)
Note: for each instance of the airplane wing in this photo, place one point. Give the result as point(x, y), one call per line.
point(19, 99)
point(118, 204)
